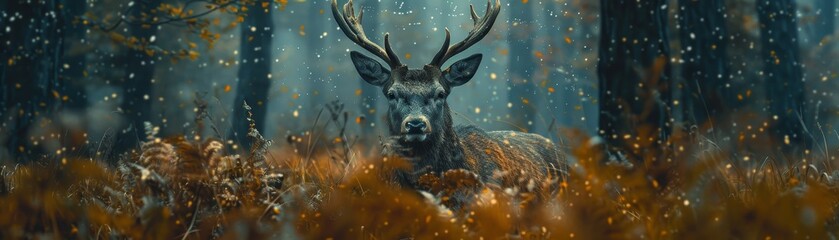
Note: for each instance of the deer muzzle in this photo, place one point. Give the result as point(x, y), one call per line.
point(415, 128)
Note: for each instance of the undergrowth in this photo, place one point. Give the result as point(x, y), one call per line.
point(317, 186)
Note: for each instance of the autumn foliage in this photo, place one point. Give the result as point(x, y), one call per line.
point(195, 188)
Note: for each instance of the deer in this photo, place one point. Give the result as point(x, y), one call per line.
point(420, 122)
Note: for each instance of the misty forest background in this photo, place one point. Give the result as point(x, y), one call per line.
point(81, 78)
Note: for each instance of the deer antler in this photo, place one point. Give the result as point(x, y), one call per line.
point(351, 26)
point(479, 31)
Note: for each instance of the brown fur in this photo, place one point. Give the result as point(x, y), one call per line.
point(523, 161)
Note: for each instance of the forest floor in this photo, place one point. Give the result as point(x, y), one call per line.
point(327, 187)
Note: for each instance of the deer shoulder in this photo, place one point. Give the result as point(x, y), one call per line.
point(510, 157)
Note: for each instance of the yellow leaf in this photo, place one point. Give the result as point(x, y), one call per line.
point(538, 54)
point(117, 37)
point(132, 40)
point(175, 11)
point(193, 55)
point(227, 88)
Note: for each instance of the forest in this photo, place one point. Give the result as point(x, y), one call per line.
point(289, 119)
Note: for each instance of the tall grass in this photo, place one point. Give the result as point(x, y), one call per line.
point(317, 186)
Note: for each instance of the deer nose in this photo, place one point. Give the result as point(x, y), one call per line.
point(416, 126)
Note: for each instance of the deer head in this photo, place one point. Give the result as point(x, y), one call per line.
point(417, 106)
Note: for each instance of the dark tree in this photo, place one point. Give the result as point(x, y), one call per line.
point(560, 54)
point(826, 24)
point(74, 57)
point(314, 29)
point(139, 75)
point(702, 33)
point(588, 33)
point(783, 72)
point(555, 57)
point(370, 94)
point(634, 73)
point(254, 69)
point(521, 66)
point(31, 57)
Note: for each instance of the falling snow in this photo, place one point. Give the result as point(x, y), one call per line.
point(650, 102)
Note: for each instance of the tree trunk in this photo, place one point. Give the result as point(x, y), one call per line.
point(826, 25)
point(562, 76)
point(634, 73)
point(74, 57)
point(522, 93)
point(703, 42)
point(138, 81)
point(588, 90)
point(314, 29)
point(29, 72)
point(783, 73)
point(254, 71)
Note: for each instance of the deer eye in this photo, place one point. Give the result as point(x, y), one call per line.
point(391, 95)
point(441, 95)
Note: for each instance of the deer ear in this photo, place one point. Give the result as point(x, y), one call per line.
point(370, 70)
point(462, 71)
